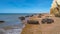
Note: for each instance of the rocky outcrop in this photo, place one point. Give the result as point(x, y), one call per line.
point(55, 7)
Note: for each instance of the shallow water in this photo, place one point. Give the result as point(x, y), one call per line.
point(13, 21)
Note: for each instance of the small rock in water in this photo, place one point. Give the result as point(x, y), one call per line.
point(22, 18)
point(2, 21)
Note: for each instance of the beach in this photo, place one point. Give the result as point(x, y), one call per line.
point(53, 28)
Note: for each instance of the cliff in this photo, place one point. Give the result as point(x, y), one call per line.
point(55, 7)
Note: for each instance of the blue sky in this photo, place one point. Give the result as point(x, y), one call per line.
point(25, 6)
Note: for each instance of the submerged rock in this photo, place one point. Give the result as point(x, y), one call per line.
point(26, 16)
point(22, 18)
point(31, 15)
point(2, 21)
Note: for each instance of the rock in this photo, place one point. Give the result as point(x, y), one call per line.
point(32, 22)
point(22, 18)
point(31, 15)
point(2, 21)
point(43, 21)
point(26, 16)
point(55, 8)
point(39, 16)
point(49, 21)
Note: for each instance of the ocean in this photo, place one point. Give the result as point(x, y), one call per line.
point(12, 19)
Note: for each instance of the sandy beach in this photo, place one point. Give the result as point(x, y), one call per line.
point(53, 28)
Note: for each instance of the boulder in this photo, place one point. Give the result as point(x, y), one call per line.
point(22, 18)
point(32, 22)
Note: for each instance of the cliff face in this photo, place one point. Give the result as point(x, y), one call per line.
point(55, 7)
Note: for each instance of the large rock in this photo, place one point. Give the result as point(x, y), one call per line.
point(55, 7)
point(22, 18)
point(32, 22)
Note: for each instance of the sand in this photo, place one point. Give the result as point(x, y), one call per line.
point(53, 28)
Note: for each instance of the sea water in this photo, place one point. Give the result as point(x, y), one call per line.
point(12, 20)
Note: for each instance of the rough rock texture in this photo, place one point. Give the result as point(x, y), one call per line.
point(54, 7)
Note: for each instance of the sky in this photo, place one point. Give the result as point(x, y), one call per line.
point(25, 6)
